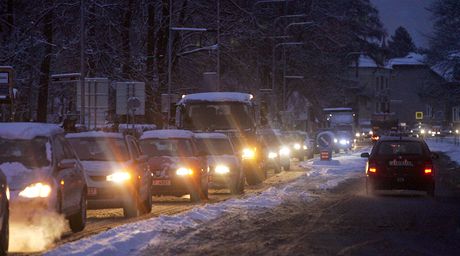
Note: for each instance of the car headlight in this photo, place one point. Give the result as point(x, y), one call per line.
point(284, 151)
point(343, 142)
point(184, 171)
point(272, 155)
point(119, 177)
point(305, 147)
point(297, 146)
point(357, 135)
point(36, 190)
point(422, 131)
point(7, 192)
point(222, 169)
point(249, 153)
point(335, 140)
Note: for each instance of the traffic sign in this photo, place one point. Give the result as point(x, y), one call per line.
point(418, 115)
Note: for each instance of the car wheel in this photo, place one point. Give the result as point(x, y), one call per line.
point(287, 167)
point(147, 204)
point(4, 239)
point(131, 207)
point(77, 222)
point(195, 196)
point(255, 176)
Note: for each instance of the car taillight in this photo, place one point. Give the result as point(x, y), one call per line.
point(372, 168)
point(428, 169)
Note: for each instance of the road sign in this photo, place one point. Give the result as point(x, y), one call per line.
point(418, 115)
point(126, 93)
point(6, 84)
point(325, 140)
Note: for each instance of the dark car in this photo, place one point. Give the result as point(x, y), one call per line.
point(400, 163)
point(276, 153)
point(177, 167)
point(299, 144)
point(117, 171)
point(43, 171)
point(225, 166)
point(4, 214)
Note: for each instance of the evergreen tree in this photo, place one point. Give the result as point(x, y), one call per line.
point(401, 43)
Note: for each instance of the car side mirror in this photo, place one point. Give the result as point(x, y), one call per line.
point(365, 155)
point(434, 156)
point(66, 164)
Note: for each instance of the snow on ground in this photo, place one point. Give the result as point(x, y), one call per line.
point(447, 146)
point(132, 238)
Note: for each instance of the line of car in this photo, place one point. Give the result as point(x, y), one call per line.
point(70, 173)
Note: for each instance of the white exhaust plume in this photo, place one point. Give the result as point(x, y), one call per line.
point(34, 230)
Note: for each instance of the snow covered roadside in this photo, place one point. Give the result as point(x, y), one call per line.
point(445, 146)
point(131, 238)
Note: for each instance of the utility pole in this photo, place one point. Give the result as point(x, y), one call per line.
point(218, 46)
point(170, 41)
point(82, 62)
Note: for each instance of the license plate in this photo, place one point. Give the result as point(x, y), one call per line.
point(400, 179)
point(92, 191)
point(161, 182)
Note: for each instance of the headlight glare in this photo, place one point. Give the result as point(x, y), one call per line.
point(272, 155)
point(184, 171)
point(305, 147)
point(248, 153)
point(343, 142)
point(119, 177)
point(335, 140)
point(284, 151)
point(297, 146)
point(36, 190)
point(222, 169)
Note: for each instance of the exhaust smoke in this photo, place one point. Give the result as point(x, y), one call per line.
point(34, 230)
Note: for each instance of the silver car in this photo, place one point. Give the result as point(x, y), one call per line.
point(43, 171)
point(117, 171)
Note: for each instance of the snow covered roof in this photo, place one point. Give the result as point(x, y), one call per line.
point(412, 59)
point(217, 97)
point(167, 134)
point(365, 61)
point(210, 135)
point(27, 131)
point(446, 68)
point(95, 134)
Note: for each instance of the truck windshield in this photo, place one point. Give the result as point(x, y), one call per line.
point(218, 116)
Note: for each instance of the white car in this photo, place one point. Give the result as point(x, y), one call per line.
point(117, 171)
point(225, 167)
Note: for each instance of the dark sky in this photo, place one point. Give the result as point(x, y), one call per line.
point(410, 14)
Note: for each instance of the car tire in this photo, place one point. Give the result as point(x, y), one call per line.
point(237, 187)
point(4, 234)
point(147, 203)
point(255, 176)
point(131, 207)
point(77, 221)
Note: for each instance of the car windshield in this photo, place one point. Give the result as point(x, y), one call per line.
point(215, 146)
point(33, 153)
point(218, 116)
point(389, 148)
point(167, 147)
point(100, 149)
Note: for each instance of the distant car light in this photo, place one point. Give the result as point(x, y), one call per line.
point(358, 135)
point(272, 155)
point(249, 153)
point(119, 177)
point(422, 131)
point(7, 193)
point(184, 171)
point(344, 142)
point(284, 151)
point(305, 147)
point(222, 169)
point(36, 190)
point(297, 146)
point(335, 140)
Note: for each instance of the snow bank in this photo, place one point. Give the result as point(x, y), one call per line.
point(131, 238)
point(167, 134)
point(446, 146)
point(28, 131)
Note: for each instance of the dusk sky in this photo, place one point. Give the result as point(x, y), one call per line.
point(411, 14)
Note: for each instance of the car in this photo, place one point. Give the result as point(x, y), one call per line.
point(43, 171)
point(225, 166)
point(4, 214)
point(299, 144)
point(400, 163)
point(177, 167)
point(117, 171)
point(276, 154)
point(343, 140)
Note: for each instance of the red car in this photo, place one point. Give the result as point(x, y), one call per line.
point(400, 163)
point(177, 167)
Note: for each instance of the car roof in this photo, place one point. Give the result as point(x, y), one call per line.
point(400, 138)
point(95, 134)
point(28, 131)
point(167, 134)
point(210, 135)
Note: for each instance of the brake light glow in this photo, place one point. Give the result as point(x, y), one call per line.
point(428, 170)
point(372, 169)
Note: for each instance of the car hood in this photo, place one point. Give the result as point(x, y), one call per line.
point(168, 162)
point(19, 176)
point(103, 167)
point(230, 160)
